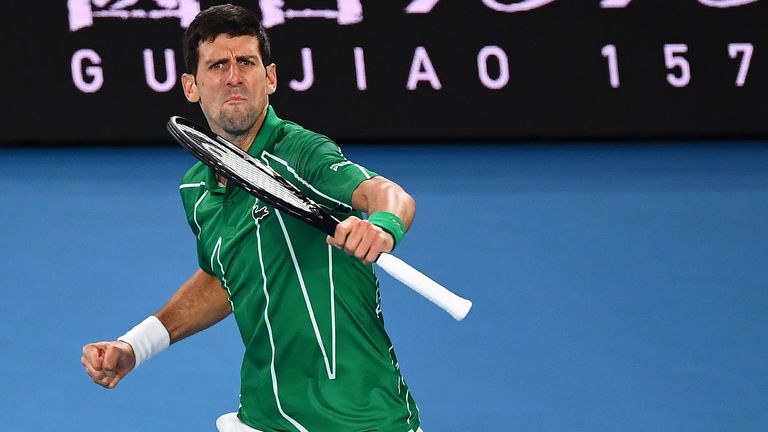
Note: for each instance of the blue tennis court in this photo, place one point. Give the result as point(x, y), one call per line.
point(617, 287)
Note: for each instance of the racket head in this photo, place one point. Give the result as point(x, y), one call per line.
point(248, 173)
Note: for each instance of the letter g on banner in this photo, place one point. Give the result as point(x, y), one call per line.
point(94, 71)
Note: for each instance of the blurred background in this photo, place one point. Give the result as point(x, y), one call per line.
point(592, 174)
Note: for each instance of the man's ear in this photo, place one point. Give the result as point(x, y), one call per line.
point(271, 78)
point(190, 87)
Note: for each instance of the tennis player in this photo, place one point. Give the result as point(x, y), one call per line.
point(317, 357)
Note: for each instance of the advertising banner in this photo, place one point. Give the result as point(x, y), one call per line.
point(107, 71)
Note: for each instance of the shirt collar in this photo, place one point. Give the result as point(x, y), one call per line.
point(271, 121)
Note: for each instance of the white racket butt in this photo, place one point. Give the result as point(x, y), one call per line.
point(457, 306)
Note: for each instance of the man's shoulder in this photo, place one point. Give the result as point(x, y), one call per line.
point(294, 137)
point(196, 174)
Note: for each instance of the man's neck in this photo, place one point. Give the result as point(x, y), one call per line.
point(243, 141)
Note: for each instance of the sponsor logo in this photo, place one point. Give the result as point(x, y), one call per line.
point(337, 165)
point(259, 213)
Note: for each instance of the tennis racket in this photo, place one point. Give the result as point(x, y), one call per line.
point(263, 182)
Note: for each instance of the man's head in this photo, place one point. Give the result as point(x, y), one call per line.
point(225, 19)
point(229, 72)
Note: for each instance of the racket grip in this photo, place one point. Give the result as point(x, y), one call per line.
point(457, 306)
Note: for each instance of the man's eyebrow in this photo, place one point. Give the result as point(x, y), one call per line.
point(237, 58)
point(217, 60)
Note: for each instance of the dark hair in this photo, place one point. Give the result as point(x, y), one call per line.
point(226, 19)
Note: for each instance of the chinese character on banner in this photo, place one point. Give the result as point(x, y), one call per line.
point(512, 6)
point(83, 12)
point(273, 12)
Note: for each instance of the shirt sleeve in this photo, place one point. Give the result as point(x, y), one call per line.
point(327, 169)
point(188, 198)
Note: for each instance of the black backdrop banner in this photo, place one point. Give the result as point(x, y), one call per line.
point(107, 71)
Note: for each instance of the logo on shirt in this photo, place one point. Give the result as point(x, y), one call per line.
point(259, 213)
point(337, 165)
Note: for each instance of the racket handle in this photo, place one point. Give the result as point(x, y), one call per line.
point(457, 306)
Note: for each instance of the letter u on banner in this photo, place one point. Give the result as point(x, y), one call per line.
point(170, 71)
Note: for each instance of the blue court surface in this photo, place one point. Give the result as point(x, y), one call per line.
point(616, 287)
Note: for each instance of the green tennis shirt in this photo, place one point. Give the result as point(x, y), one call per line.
point(317, 357)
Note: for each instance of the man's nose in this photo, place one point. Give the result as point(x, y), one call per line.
point(234, 74)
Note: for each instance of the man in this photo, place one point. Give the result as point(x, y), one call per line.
point(317, 356)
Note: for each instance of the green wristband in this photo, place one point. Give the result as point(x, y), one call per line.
point(390, 223)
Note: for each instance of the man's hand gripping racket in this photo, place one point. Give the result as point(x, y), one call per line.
point(263, 182)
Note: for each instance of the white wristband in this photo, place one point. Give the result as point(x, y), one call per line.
point(148, 338)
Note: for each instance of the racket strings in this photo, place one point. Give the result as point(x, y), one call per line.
point(248, 171)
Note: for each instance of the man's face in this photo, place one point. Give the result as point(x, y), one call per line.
point(231, 84)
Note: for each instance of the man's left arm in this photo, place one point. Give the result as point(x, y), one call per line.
point(391, 211)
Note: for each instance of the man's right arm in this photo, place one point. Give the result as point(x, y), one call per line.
point(198, 304)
